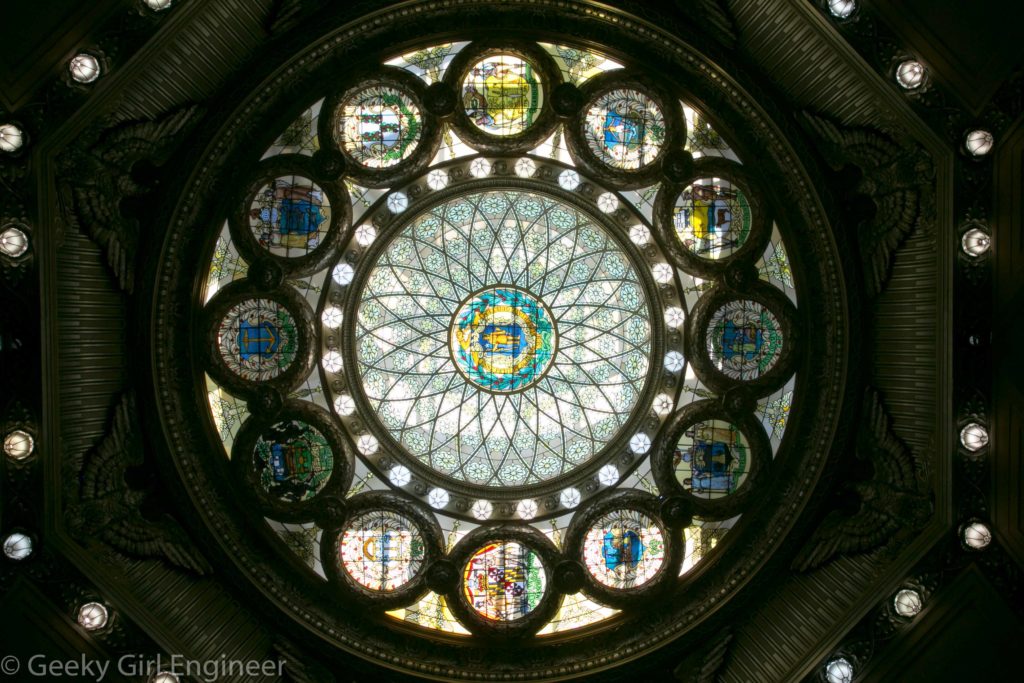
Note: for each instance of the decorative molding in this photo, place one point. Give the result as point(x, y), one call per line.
point(109, 509)
point(894, 503)
point(899, 180)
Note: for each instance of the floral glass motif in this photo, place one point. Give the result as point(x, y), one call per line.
point(744, 339)
point(624, 549)
point(379, 126)
point(504, 581)
point(290, 215)
point(381, 550)
point(583, 283)
point(712, 218)
point(502, 94)
point(625, 129)
point(258, 339)
point(293, 461)
point(503, 339)
point(711, 459)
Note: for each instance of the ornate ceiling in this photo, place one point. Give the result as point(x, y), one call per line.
point(246, 341)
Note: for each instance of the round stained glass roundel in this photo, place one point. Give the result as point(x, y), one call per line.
point(744, 339)
point(625, 129)
point(504, 338)
point(290, 216)
point(502, 94)
point(293, 461)
point(624, 549)
point(711, 459)
point(504, 581)
point(712, 218)
point(379, 126)
point(258, 339)
point(381, 550)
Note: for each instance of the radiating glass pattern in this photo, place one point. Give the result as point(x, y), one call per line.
point(293, 461)
point(381, 550)
point(504, 581)
point(712, 218)
point(512, 240)
point(712, 459)
point(624, 549)
point(379, 126)
point(258, 339)
point(744, 339)
point(289, 216)
point(502, 94)
point(625, 129)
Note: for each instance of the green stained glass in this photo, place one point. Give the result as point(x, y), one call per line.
point(744, 339)
point(504, 351)
point(294, 461)
point(378, 126)
point(625, 129)
point(258, 339)
point(502, 94)
point(712, 459)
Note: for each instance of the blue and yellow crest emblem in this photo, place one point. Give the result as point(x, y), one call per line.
point(503, 339)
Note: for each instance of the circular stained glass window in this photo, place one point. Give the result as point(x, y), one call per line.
point(379, 126)
point(504, 337)
point(624, 549)
point(381, 550)
point(744, 339)
point(504, 581)
point(711, 459)
point(625, 129)
point(293, 460)
point(290, 216)
point(712, 218)
point(502, 94)
point(522, 315)
point(258, 339)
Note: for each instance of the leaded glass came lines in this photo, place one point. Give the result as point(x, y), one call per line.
point(529, 242)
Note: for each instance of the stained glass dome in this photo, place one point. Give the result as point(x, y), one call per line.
point(499, 339)
point(504, 337)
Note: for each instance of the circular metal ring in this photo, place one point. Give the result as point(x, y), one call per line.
point(630, 133)
point(394, 513)
point(280, 461)
point(507, 557)
point(278, 331)
point(399, 89)
point(637, 555)
point(694, 236)
point(756, 334)
point(533, 132)
point(733, 451)
point(286, 215)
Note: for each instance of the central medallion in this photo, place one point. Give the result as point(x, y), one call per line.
point(503, 339)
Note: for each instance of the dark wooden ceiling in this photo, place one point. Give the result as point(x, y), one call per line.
point(975, 52)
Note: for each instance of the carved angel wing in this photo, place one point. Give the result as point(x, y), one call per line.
point(898, 215)
point(135, 535)
point(110, 509)
point(864, 147)
point(893, 503)
point(840, 534)
point(95, 211)
point(895, 178)
point(153, 140)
